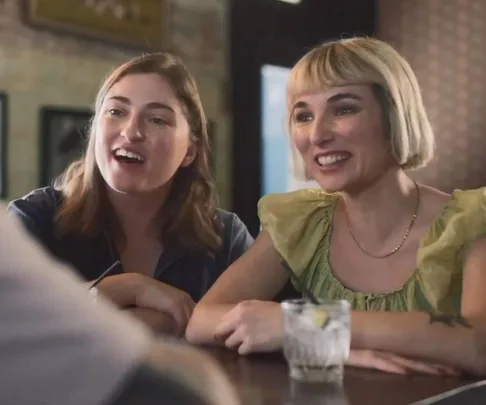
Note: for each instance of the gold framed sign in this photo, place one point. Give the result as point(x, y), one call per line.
point(137, 23)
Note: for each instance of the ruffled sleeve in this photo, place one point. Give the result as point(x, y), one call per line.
point(299, 223)
point(300, 226)
point(440, 256)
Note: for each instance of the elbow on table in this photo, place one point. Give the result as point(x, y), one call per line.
point(190, 333)
point(204, 322)
point(478, 367)
point(478, 363)
point(194, 334)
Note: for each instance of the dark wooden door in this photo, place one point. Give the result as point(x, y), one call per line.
point(276, 33)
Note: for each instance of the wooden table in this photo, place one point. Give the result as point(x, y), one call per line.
point(263, 380)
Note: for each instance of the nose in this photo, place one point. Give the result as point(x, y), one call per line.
point(131, 130)
point(321, 131)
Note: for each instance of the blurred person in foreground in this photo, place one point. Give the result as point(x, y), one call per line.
point(410, 259)
point(59, 347)
point(143, 195)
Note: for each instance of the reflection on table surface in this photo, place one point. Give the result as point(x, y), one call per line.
point(262, 379)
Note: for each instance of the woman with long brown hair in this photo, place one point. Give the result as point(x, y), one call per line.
point(141, 196)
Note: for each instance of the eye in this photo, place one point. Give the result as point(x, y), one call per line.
point(303, 117)
point(346, 110)
point(115, 112)
point(157, 121)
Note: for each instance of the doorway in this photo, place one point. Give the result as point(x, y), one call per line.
point(266, 38)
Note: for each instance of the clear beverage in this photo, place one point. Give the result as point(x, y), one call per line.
point(317, 339)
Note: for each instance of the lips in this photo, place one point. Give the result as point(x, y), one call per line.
point(128, 156)
point(332, 158)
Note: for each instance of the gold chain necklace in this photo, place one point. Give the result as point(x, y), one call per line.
point(398, 247)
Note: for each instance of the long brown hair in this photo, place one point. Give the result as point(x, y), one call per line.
point(189, 216)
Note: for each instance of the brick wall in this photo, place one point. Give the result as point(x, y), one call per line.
point(40, 68)
point(444, 41)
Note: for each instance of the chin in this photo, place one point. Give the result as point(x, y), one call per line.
point(332, 184)
point(131, 187)
point(125, 186)
point(126, 189)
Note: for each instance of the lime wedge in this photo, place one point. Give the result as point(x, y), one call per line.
point(320, 318)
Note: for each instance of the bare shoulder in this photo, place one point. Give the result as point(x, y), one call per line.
point(433, 202)
point(434, 195)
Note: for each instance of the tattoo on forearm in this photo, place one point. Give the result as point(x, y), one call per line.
point(449, 320)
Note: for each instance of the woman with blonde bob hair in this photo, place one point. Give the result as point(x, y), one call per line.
point(142, 198)
point(409, 259)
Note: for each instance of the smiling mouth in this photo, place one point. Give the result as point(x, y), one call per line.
point(126, 156)
point(328, 160)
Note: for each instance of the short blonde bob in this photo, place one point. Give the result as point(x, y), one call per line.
point(363, 60)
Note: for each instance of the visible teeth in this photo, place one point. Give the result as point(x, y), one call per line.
point(330, 159)
point(128, 154)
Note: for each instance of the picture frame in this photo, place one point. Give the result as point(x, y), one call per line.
point(3, 143)
point(63, 137)
point(141, 24)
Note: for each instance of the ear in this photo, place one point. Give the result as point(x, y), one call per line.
point(190, 155)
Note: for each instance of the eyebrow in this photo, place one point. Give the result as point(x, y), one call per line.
point(332, 99)
point(151, 105)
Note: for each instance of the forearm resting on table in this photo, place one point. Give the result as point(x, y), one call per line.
point(450, 340)
point(204, 322)
point(158, 321)
point(121, 290)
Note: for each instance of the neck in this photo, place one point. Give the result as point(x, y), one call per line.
point(138, 213)
point(382, 209)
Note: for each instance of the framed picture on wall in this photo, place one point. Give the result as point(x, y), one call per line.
point(137, 23)
point(3, 143)
point(63, 133)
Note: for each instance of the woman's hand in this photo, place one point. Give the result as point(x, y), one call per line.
point(252, 326)
point(396, 364)
point(136, 290)
point(162, 297)
point(256, 326)
point(159, 322)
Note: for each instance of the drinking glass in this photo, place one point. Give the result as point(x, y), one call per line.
point(317, 339)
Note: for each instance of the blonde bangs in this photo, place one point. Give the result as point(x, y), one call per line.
point(331, 64)
point(369, 61)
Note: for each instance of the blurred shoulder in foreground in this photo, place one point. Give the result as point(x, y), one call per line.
point(59, 347)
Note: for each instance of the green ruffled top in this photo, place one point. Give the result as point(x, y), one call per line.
point(300, 226)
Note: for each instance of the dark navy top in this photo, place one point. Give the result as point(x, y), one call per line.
point(192, 272)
